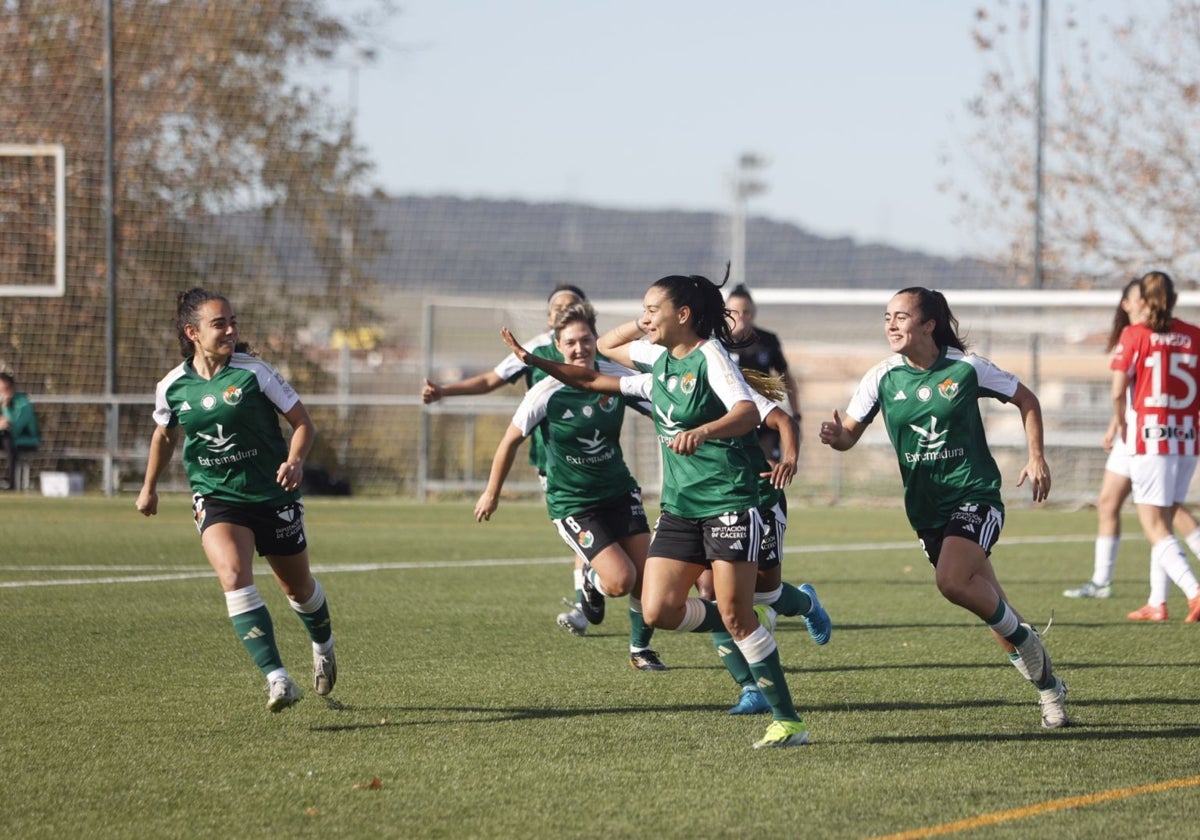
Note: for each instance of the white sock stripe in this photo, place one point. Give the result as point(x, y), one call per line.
point(768, 597)
point(635, 605)
point(758, 645)
point(314, 601)
point(243, 600)
point(1008, 624)
point(693, 615)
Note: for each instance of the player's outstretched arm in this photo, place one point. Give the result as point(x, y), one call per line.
point(585, 379)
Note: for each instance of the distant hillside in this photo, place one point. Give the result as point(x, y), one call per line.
point(454, 245)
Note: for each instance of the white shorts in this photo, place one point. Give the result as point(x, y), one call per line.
point(1161, 480)
point(1118, 459)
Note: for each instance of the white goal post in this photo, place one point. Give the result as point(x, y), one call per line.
point(56, 285)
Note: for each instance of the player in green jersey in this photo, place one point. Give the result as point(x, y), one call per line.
point(928, 395)
point(770, 588)
point(594, 501)
point(224, 404)
point(507, 371)
point(702, 412)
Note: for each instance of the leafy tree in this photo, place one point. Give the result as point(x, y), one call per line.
point(209, 122)
point(1122, 151)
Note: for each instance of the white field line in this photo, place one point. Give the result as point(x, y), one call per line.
point(170, 573)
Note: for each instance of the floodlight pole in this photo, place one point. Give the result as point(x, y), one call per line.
point(112, 436)
point(1039, 280)
point(345, 278)
point(744, 186)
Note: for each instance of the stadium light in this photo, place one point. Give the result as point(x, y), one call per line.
point(744, 185)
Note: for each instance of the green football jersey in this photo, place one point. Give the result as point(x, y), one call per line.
point(582, 435)
point(686, 393)
point(233, 444)
point(932, 417)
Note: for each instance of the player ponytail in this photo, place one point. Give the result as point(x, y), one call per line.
point(1158, 296)
point(771, 387)
point(187, 306)
point(934, 308)
point(704, 301)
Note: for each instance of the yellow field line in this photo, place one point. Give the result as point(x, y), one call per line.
point(1041, 808)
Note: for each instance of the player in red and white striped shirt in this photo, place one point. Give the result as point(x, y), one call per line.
point(1156, 402)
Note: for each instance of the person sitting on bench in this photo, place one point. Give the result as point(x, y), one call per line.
point(18, 427)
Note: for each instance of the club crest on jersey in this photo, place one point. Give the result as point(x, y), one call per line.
point(586, 538)
point(924, 393)
point(232, 395)
point(209, 402)
point(688, 383)
point(948, 388)
point(607, 403)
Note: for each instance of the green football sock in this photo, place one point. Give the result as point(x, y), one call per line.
point(701, 616)
point(768, 676)
point(731, 657)
point(791, 601)
point(640, 632)
point(257, 633)
point(314, 613)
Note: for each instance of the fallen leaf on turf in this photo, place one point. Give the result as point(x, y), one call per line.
point(311, 812)
point(375, 784)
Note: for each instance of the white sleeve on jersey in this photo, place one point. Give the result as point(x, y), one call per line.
point(532, 409)
point(270, 381)
point(163, 415)
point(992, 378)
point(724, 377)
point(638, 386)
point(764, 405)
point(511, 366)
point(865, 401)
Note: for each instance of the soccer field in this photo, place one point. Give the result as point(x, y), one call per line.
point(131, 709)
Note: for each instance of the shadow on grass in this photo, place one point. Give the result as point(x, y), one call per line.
point(1065, 666)
point(787, 624)
point(459, 715)
point(484, 714)
point(1075, 732)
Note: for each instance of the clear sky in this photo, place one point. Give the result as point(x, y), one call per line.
point(647, 104)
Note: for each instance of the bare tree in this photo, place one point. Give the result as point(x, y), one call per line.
point(1122, 145)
